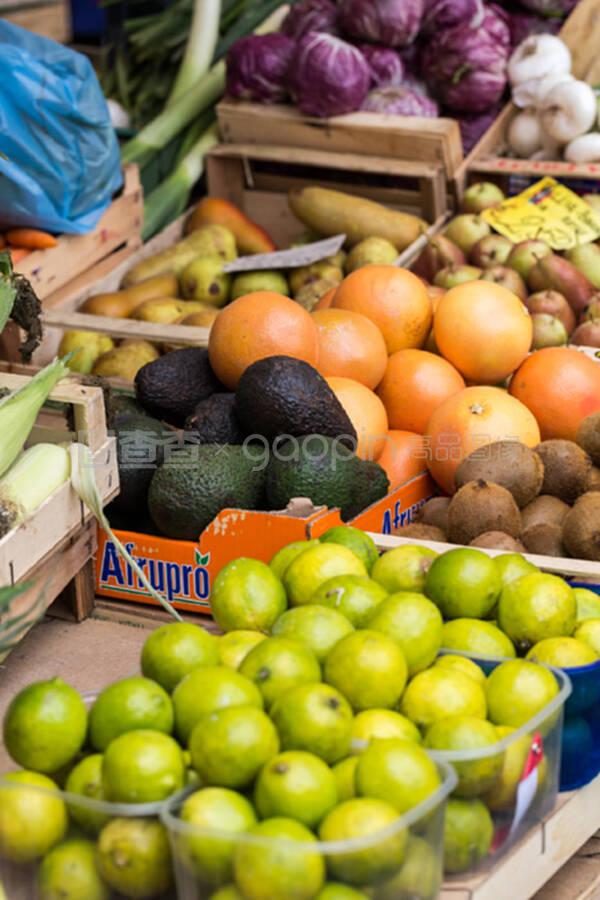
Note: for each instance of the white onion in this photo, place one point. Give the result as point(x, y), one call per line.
point(537, 56)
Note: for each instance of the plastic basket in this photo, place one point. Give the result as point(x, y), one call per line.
point(417, 862)
point(580, 761)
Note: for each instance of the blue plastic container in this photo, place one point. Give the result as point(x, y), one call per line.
point(580, 761)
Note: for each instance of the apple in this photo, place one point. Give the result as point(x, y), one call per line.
point(439, 253)
point(492, 250)
point(481, 195)
point(508, 278)
point(587, 335)
point(592, 312)
point(452, 276)
point(524, 256)
point(553, 304)
point(466, 230)
point(548, 331)
point(553, 272)
point(586, 258)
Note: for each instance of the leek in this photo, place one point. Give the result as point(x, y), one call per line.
point(84, 483)
point(36, 474)
point(19, 409)
point(200, 48)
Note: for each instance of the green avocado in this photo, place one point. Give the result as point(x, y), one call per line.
point(171, 386)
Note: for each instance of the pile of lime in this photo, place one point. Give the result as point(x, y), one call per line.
point(309, 720)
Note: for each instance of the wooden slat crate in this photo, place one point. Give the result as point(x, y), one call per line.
point(49, 18)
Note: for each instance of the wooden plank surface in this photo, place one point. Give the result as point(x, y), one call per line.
point(51, 20)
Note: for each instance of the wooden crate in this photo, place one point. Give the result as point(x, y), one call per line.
point(119, 228)
point(50, 18)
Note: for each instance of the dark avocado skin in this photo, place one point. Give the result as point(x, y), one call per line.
point(140, 451)
point(171, 386)
point(214, 422)
point(279, 395)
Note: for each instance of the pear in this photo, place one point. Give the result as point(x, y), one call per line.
point(586, 258)
point(86, 347)
point(525, 255)
point(554, 273)
point(592, 311)
point(492, 250)
point(553, 304)
point(452, 276)
point(202, 319)
point(439, 253)
point(204, 280)
point(164, 310)
point(465, 230)
point(216, 240)
point(305, 275)
point(265, 280)
point(587, 335)
point(481, 195)
point(373, 251)
point(507, 278)
point(126, 360)
point(548, 331)
point(309, 295)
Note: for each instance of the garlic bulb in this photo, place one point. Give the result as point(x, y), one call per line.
point(568, 110)
point(525, 134)
point(584, 149)
point(537, 56)
point(531, 93)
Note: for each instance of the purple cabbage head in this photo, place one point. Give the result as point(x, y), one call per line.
point(310, 15)
point(442, 14)
point(385, 64)
point(496, 23)
point(523, 24)
point(550, 8)
point(400, 101)
point(465, 67)
point(472, 128)
point(328, 76)
point(258, 66)
point(395, 23)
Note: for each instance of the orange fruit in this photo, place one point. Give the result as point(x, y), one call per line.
point(403, 457)
point(394, 299)
point(470, 419)
point(561, 386)
point(350, 346)
point(256, 326)
point(484, 330)
point(366, 412)
point(414, 385)
point(326, 300)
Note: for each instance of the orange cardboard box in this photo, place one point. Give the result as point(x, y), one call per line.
point(184, 570)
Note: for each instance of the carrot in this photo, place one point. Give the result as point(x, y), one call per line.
point(30, 239)
point(17, 254)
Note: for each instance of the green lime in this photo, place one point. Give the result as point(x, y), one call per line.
point(517, 690)
point(536, 607)
point(345, 778)
point(213, 810)
point(511, 566)
point(315, 718)
point(270, 867)
point(207, 689)
point(440, 692)
point(403, 569)
point(31, 820)
point(415, 623)
point(133, 857)
point(502, 796)
point(475, 776)
point(174, 650)
point(463, 583)
point(354, 596)
point(589, 633)
point(383, 723)
point(297, 785)
point(334, 891)
point(368, 668)
point(317, 627)
point(468, 834)
point(129, 705)
point(462, 664)
point(563, 652)
point(482, 639)
point(288, 554)
point(247, 595)
point(235, 646)
point(420, 876)
point(277, 665)
point(45, 726)
point(142, 767)
point(397, 771)
point(588, 604)
point(85, 779)
point(229, 746)
point(314, 567)
point(354, 539)
point(69, 872)
point(364, 817)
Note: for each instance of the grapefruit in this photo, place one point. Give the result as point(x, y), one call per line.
point(350, 346)
point(404, 456)
point(366, 412)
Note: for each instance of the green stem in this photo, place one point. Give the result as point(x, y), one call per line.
point(200, 47)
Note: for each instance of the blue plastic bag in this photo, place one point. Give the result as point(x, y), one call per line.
point(59, 156)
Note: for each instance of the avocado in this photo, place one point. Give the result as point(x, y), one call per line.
point(122, 406)
point(197, 482)
point(172, 386)
point(214, 422)
point(140, 451)
point(279, 395)
point(327, 472)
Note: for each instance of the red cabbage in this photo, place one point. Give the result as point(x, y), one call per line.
point(258, 66)
point(385, 64)
point(472, 128)
point(495, 23)
point(550, 8)
point(310, 15)
point(395, 23)
point(442, 14)
point(328, 76)
point(400, 101)
point(411, 57)
point(523, 24)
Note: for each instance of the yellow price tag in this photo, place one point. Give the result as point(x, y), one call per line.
point(547, 211)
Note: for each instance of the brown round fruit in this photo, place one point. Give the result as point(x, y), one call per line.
point(593, 483)
point(421, 532)
point(588, 437)
point(544, 510)
point(566, 469)
point(481, 506)
point(581, 529)
point(435, 512)
point(551, 303)
point(498, 540)
point(510, 464)
point(545, 539)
